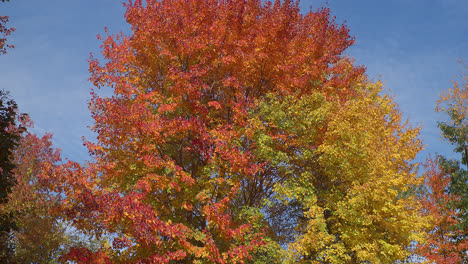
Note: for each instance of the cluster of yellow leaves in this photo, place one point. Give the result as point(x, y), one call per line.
point(366, 152)
point(357, 185)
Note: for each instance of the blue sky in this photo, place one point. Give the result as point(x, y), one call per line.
point(411, 45)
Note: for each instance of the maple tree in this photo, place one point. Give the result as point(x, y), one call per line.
point(237, 129)
point(447, 200)
point(444, 244)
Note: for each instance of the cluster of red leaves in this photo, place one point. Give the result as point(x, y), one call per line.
point(4, 33)
point(84, 256)
point(444, 244)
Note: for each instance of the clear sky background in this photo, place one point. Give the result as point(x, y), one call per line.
point(411, 45)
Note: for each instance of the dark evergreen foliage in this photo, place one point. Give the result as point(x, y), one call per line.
point(10, 135)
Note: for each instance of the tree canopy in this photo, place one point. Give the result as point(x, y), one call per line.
point(238, 132)
point(235, 132)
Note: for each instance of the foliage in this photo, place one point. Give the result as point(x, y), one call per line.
point(348, 170)
point(11, 128)
point(237, 129)
point(4, 33)
point(451, 197)
point(39, 236)
point(10, 133)
point(444, 244)
point(454, 103)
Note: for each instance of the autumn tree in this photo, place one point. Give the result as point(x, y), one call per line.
point(10, 133)
point(41, 233)
point(237, 129)
point(37, 232)
point(448, 199)
point(11, 129)
point(349, 175)
point(444, 244)
point(454, 103)
point(39, 236)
